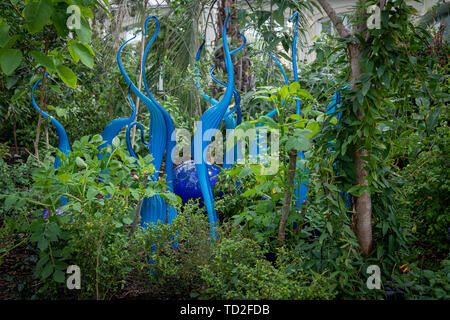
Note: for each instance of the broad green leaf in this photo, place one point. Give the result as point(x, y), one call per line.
point(59, 19)
point(263, 98)
point(91, 193)
point(300, 143)
point(295, 117)
point(245, 172)
point(43, 60)
point(279, 16)
point(80, 162)
point(53, 228)
point(73, 54)
point(237, 220)
point(284, 92)
point(302, 93)
point(64, 177)
point(356, 191)
point(43, 260)
point(84, 32)
point(87, 12)
point(48, 269)
point(4, 35)
point(360, 98)
point(294, 87)
point(10, 201)
point(83, 53)
point(314, 127)
point(55, 88)
point(433, 118)
point(302, 132)
point(37, 15)
point(127, 220)
point(10, 59)
point(366, 87)
point(42, 243)
point(59, 276)
point(249, 192)
point(11, 41)
point(380, 71)
point(67, 76)
point(11, 82)
point(329, 228)
point(116, 142)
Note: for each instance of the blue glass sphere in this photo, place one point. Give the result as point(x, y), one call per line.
point(185, 182)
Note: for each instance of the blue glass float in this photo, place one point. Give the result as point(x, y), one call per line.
point(186, 184)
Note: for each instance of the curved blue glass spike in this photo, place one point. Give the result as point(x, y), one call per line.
point(127, 135)
point(199, 51)
point(261, 141)
point(294, 54)
point(272, 113)
point(199, 88)
point(302, 188)
point(208, 99)
point(154, 208)
point(63, 140)
point(237, 99)
point(210, 120)
point(158, 132)
point(211, 100)
point(286, 80)
point(170, 128)
point(331, 107)
point(237, 96)
point(230, 121)
point(335, 101)
point(242, 45)
point(230, 124)
point(113, 128)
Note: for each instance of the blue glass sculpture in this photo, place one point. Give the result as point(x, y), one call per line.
point(211, 120)
point(186, 184)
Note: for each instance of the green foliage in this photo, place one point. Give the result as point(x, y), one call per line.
point(47, 17)
point(92, 229)
point(259, 195)
point(239, 270)
point(181, 249)
point(426, 191)
point(426, 284)
point(34, 34)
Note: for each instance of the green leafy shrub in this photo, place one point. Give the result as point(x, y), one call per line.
point(426, 284)
point(239, 270)
point(181, 248)
point(93, 229)
point(426, 188)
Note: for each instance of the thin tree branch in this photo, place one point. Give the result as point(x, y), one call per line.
point(337, 21)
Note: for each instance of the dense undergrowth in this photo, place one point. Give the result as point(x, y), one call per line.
point(320, 260)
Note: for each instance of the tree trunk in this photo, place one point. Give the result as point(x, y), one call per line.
point(287, 197)
point(362, 220)
point(363, 204)
point(243, 78)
